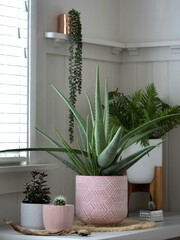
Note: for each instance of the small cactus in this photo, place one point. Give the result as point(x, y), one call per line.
point(59, 200)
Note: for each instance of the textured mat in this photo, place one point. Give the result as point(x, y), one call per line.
point(126, 225)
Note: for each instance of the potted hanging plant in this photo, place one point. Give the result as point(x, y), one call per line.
point(75, 63)
point(36, 194)
point(58, 215)
point(101, 181)
point(71, 24)
point(131, 111)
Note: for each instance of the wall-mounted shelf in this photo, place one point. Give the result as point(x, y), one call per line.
point(117, 47)
point(59, 37)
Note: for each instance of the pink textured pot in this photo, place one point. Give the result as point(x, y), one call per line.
point(58, 217)
point(101, 200)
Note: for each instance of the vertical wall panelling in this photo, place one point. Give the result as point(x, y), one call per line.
point(117, 20)
point(52, 112)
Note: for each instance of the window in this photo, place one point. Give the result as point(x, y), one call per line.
point(14, 84)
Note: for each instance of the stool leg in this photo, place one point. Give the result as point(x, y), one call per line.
point(156, 188)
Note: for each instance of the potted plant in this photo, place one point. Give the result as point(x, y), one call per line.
point(71, 24)
point(135, 110)
point(59, 215)
point(36, 194)
point(101, 183)
point(131, 111)
point(75, 63)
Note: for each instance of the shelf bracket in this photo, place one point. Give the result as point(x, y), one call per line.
point(133, 51)
point(116, 50)
point(175, 49)
point(58, 42)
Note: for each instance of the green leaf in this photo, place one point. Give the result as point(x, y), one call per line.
point(99, 127)
point(109, 153)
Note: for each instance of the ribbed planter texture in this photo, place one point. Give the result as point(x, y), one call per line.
point(58, 217)
point(101, 200)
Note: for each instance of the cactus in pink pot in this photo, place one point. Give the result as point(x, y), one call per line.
point(58, 215)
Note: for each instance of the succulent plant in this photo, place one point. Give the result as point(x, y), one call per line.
point(99, 153)
point(75, 63)
point(36, 190)
point(59, 200)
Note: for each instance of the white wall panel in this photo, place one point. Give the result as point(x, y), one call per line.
point(155, 20)
point(100, 19)
point(166, 77)
point(127, 80)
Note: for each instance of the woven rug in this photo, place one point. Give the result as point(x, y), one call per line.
point(84, 230)
point(126, 225)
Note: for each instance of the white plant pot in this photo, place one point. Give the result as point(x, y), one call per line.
point(32, 215)
point(143, 171)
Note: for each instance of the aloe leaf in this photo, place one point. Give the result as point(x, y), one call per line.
point(99, 128)
point(78, 117)
point(90, 108)
point(109, 153)
point(135, 139)
point(106, 111)
point(72, 155)
point(52, 141)
point(125, 163)
point(65, 162)
point(146, 125)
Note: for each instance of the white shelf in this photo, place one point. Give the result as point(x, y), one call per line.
point(118, 46)
point(170, 228)
point(59, 37)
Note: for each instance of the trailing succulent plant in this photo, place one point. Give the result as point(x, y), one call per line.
point(100, 152)
point(59, 200)
point(139, 108)
point(36, 190)
point(75, 63)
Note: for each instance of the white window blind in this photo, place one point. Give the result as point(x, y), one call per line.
point(13, 78)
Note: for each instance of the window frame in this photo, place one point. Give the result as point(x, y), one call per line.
point(13, 177)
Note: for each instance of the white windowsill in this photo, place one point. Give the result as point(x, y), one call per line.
point(12, 178)
point(25, 168)
point(170, 228)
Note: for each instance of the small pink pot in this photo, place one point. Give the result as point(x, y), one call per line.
point(58, 217)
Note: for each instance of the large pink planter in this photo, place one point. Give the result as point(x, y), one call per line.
point(101, 200)
point(58, 217)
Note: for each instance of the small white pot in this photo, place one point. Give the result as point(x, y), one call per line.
point(143, 171)
point(32, 215)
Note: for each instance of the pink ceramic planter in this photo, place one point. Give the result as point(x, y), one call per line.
point(101, 200)
point(58, 217)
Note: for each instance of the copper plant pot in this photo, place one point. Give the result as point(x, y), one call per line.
point(63, 23)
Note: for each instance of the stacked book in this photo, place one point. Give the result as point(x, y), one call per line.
point(147, 215)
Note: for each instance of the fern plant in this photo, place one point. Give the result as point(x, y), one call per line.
point(75, 63)
point(139, 108)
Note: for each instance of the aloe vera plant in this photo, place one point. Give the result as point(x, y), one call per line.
point(98, 153)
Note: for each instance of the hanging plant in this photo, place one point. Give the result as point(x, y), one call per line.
point(75, 63)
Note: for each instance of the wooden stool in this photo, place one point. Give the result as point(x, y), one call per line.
point(155, 188)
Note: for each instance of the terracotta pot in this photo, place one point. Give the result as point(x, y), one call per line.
point(58, 217)
point(101, 200)
point(32, 215)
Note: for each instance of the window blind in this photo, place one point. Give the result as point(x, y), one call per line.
point(13, 78)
